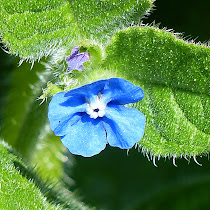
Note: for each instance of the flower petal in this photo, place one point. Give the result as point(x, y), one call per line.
point(115, 90)
point(124, 126)
point(120, 91)
point(74, 52)
point(77, 61)
point(64, 125)
point(86, 137)
point(88, 90)
point(61, 109)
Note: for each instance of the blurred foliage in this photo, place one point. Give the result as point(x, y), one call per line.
point(22, 111)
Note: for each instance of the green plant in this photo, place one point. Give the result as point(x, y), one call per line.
point(173, 73)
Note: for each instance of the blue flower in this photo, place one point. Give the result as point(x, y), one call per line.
point(76, 59)
point(89, 117)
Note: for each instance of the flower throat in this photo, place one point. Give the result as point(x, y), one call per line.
point(96, 108)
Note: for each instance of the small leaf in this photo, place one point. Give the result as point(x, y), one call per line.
point(174, 77)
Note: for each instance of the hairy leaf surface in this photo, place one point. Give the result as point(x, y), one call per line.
point(175, 78)
point(100, 19)
point(33, 29)
point(16, 189)
point(22, 188)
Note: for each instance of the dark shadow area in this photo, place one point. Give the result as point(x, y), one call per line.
point(114, 180)
point(189, 17)
point(6, 67)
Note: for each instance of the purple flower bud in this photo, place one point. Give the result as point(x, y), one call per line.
point(76, 59)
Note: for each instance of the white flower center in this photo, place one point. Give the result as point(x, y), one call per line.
point(97, 108)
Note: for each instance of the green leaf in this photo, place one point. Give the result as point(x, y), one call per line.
point(100, 19)
point(21, 188)
point(18, 191)
point(157, 56)
point(175, 78)
point(33, 29)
